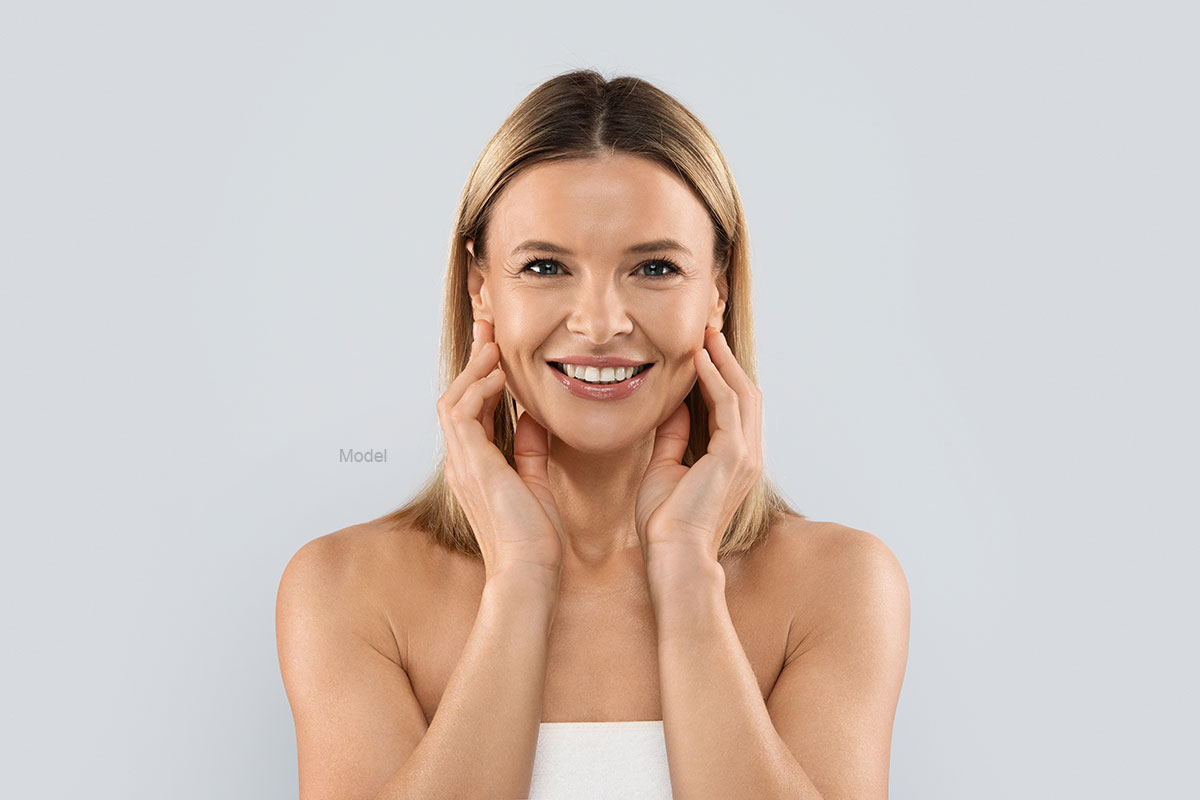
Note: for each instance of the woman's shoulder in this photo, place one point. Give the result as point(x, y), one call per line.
point(366, 572)
point(361, 551)
point(819, 551)
point(796, 537)
point(826, 568)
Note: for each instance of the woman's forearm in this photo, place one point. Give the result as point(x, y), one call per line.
point(482, 739)
point(720, 739)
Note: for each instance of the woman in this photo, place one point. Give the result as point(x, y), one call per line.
point(599, 557)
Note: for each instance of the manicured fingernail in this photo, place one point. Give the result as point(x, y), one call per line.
point(475, 330)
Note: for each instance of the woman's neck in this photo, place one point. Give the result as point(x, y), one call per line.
point(596, 495)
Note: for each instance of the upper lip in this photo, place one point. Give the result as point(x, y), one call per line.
point(599, 361)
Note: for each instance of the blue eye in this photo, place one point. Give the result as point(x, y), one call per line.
point(529, 265)
point(661, 262)
point(669, 265)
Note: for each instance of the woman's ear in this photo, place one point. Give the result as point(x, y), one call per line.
point(476, 286)
point(716, 317)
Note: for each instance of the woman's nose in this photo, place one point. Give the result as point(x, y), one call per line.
point(598, 311)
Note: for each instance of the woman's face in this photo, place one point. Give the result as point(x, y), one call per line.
point(567, 276)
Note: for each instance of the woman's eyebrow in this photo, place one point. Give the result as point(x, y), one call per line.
point(644, 247)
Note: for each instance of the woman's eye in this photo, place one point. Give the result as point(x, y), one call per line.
point(660, 268)
point(540, 263)
point(666, 265)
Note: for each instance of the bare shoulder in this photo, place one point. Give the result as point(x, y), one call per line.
point(356, 714)
point(830, 571)
point(358, 572)
point(353, 556)
point(832, 546)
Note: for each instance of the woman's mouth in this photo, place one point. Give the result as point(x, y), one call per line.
point(599, 383)
point(599, 376)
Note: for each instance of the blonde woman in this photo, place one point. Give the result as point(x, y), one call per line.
point(598, 592)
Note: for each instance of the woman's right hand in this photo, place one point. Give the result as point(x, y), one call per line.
point(512, 512)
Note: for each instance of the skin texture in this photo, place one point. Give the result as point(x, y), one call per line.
point(600, 300)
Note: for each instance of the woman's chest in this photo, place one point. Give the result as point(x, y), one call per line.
point(602, 655)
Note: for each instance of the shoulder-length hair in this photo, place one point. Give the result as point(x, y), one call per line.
point(580, 114)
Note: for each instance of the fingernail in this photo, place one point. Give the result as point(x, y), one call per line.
point(475, 331)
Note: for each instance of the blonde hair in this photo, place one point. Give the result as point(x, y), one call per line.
point(580, 114)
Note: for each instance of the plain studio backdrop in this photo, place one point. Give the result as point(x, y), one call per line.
point(974, 227)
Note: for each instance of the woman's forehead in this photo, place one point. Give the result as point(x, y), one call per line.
point(594, 203)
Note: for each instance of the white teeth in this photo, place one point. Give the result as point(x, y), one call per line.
point(599, 375)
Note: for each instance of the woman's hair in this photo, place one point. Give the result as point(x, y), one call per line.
point(580, 114)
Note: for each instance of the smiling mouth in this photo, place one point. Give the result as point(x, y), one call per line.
point(599, 374)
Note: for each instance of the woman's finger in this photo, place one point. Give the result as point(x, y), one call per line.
point(488, 417)
point(471, 453)
point(749, 396)
point(531, 450)
point(724, 406)
point(671, 438)
point(468, 412)
point(481, 363)
point(484, 358)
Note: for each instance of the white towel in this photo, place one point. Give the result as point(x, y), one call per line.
point(586, 760)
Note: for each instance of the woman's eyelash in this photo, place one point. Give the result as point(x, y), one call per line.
point(675, 270)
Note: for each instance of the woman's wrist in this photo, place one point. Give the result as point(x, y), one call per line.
point(532, 582)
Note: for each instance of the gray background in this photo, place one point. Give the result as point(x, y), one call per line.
point(975, 240)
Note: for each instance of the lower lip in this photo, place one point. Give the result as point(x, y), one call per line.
point(608, 391)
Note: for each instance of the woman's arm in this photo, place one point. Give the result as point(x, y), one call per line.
point(720, 739)
point(825, 729)
point(361, 733)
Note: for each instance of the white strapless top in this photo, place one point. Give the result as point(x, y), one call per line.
point(583, 760)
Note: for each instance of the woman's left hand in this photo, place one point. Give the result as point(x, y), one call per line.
point(683, 512)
